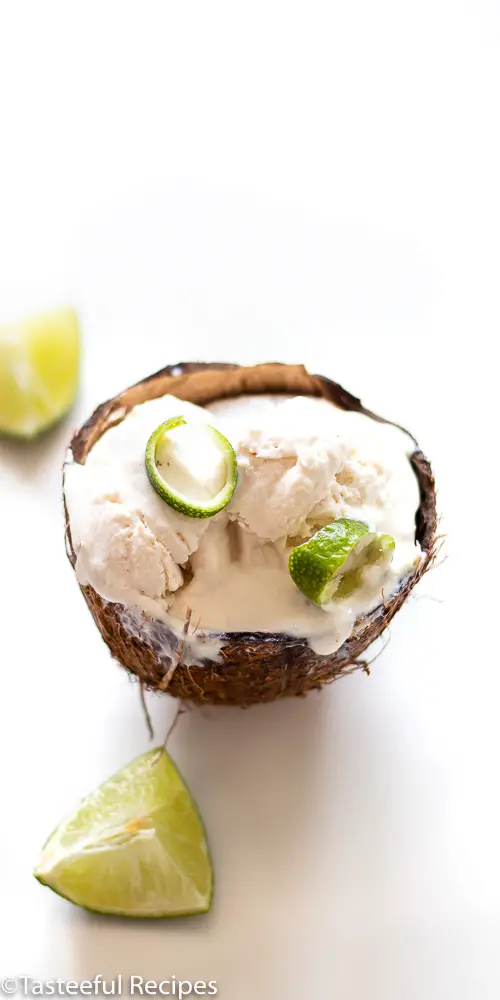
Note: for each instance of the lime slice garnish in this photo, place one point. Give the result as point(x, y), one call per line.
point(39, 362)
point(191, 466)
point(136, 847)
point(333, 563)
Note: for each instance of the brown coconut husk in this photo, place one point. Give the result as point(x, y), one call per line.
point(253, 667)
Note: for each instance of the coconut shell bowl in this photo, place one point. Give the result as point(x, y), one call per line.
point(250, 667)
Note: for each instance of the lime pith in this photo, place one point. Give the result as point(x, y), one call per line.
point(39, 365)
point(331, 565)
point(136, 847)
point(193, 497)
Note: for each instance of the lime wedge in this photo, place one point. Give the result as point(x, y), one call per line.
point(191, 466)
point(333, 563)
point(39, 362)
point(136, 847)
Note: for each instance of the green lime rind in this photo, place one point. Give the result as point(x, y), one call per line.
point(313, 564)
point(136, 847)
point(179, 501)
point(39, 371)
point(316, 565)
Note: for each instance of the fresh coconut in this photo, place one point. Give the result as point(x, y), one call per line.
point(244, 667)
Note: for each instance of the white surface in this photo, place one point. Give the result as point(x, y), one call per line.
point(308, 182)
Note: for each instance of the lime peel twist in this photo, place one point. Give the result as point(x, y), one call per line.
point(176, 498)
point(331, 565)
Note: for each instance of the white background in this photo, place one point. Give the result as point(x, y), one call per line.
point(308, 182)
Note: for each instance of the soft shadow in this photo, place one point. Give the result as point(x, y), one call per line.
point(29, 461)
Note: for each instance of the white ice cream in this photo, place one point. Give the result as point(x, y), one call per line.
point(301, 461)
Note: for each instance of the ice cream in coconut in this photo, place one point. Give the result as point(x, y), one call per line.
point(275, 523)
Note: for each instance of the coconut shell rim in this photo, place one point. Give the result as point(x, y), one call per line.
point(115, 409)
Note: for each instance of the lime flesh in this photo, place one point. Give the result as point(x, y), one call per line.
point(192, 467)
point(39, 364)
point(377, 551)
point(331, 564)
point(136, 847)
